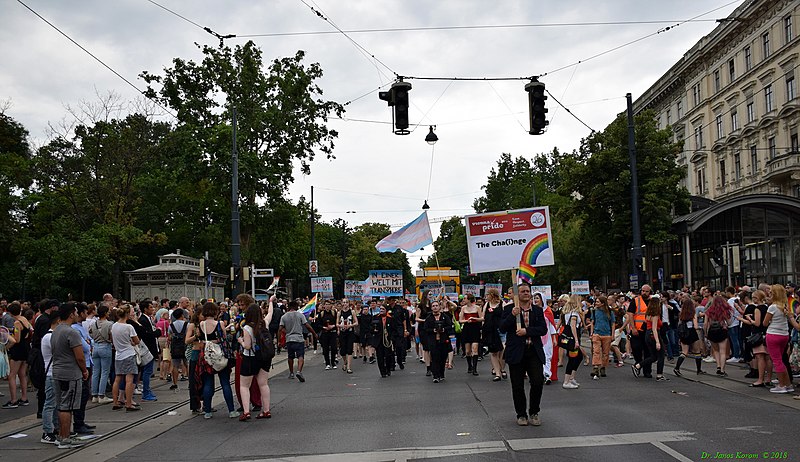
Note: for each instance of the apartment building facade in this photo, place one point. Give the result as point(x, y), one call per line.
point(733, 100)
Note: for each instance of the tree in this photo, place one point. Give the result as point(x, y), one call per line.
point(15, 155)
point(88, 188)
point(280, 116)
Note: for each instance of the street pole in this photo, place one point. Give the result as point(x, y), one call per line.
point(236, 256)
point(313, 237)
point(636, 253)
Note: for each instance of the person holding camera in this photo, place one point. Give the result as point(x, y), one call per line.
point(439, 330)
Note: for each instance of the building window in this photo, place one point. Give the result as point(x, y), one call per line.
point(794, 142)
point(717, 84)
point(765, 44)
point(768, 98)
point(720, 131)
point(695, 95)
point(754, 159)
point(701, 181)
point(787, 28)
point(698, 137)
point(751, 112)
point(737, 165)
point(669, 117)
point(731, 70)
point(734, 120)
point(748, 58)
point(791, 91)
point(680, 109)
point(723, 179)
point(771, 145)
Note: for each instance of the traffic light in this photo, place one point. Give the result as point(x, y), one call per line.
point(536, 99)
point(397, 97)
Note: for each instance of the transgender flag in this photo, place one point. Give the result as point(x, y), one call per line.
point(410, 237)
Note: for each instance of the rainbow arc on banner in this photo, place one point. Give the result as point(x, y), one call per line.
point(530, 254)
point(794, 305)
point(310, 307)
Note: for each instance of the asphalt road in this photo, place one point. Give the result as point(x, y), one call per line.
point(361, 416)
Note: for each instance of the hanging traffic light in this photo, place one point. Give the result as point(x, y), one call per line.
point(536, 99)
point(397, 97)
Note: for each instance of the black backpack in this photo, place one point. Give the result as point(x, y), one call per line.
point(177, 341)
point(263, 348)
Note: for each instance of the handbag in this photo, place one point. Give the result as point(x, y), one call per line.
point(755, 339)
point(227, 342)
point(213, 354)
point(457, 326)
point(566, 341)
point(143, 355)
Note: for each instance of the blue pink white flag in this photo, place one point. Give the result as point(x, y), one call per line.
point(410, 237)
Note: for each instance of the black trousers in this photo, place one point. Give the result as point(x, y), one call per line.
point(79, 415)
point(399, 344)
point(328, 340)
point(439, 352)
point(653, 355)
point(532, 365)
point(385, 359)
point(639, 350)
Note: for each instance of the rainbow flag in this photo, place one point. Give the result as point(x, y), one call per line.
point(794, 305)
point(310, 307)
point(526, 272)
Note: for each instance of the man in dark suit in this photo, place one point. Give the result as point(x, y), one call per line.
point(524, 325)
point(148, 333)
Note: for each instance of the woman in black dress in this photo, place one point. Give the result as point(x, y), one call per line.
point(422, 313)
point(438, 327)
point(492, 312)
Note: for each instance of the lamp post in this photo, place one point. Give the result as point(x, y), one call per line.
point(431, 137)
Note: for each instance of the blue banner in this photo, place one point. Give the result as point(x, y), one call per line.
point(386, 283)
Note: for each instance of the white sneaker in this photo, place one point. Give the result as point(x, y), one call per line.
point(105, 400)
point(569, 385)
point(327, 368)
point(732, 360)
point(574, 382)
point(94, 399)
point(136, 391)
point(315, 351)
point(779, 389)
point(708, 359)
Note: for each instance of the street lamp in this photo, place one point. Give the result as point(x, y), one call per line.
point(425, 206)
point(431, 138)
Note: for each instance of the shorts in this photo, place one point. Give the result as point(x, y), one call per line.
point(346, 342)
point(178, 362)
point(295, 349)
point(251, 366)
point(68, 394)
point(617, 337)
point(126, 366)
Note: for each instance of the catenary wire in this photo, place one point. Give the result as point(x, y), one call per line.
point(569, 111)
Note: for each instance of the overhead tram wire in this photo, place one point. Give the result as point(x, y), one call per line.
point(569, 111)
point(356, 44)
point(167, 110)
point(475, 27)
point(177, 14)
point(664, 29)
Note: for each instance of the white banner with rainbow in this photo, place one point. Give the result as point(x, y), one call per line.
point(499, 241)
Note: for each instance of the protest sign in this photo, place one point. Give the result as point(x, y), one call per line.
point(490, 285)
point(499, 241)
point(386, 283)
point(471, 289)
point(546, 291)
point(579, 287)
point(353, 290)
point(323, 285)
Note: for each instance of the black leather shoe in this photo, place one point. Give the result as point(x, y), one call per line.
point(83, 430)
point(90, 427)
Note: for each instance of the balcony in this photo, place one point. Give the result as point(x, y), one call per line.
point(783, 167)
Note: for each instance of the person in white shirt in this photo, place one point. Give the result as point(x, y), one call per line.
point(49, 414)
point(737, 310)
point(124, 337)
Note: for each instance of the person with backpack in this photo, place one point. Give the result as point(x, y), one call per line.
point(176, 343)
point(257, 353)
point(35, 360)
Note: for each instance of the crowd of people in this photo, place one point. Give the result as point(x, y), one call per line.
point(74, 353)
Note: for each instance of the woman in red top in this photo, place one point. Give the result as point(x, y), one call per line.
point(653, 341)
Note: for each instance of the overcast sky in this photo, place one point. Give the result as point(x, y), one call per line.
point(380, 176)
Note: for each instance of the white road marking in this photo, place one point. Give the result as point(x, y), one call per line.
point(752, 428)
point(677, 455)
point(598, 440)
point(403, 454)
